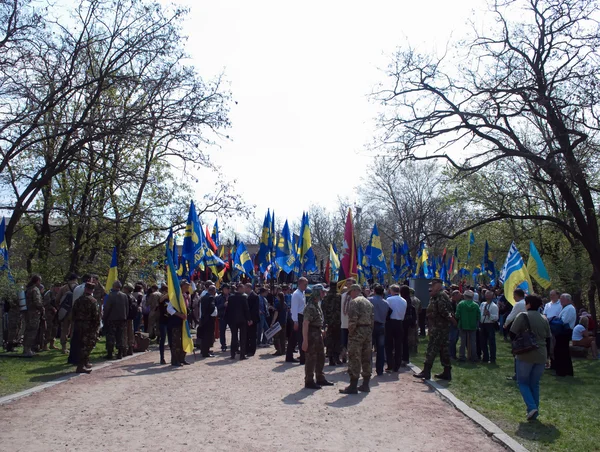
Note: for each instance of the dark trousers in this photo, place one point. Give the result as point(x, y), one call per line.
point(251, 338)
point(239, 341)
point(222, 328)
point(393, 343)
point(164, 332)
point(291, 346)
point(488, 339)
point(379, 343)
point(300, 338)
point(562, 355)
point(279, 340)
point(422, 318)
point(208, 337)
point(405, 348)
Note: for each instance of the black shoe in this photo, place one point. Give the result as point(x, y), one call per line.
point(242, 358)
point(185, 363)
point(332, 361)
point(232, 357)
point(302, 362)
point(162, 361)
point(176, 364)
point(365, 386)
point(223, 349)
point(210, 355)
point(311, 385)
point(352, 389)
point(324, 382)
point(293, 360)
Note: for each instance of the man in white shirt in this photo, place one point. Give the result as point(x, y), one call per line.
point(562, 353)
point(553, 307)
point(487, 327)
point(393, 329)
point(519, 306)
point(298, 304)
point(345, 298)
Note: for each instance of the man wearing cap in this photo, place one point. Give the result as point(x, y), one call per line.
point(360, 333)
point(467, 316)
point(115, 317)
point(86, 320)
point(439, 318)
point(312, 344)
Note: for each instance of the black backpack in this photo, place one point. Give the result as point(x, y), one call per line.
point(133, 308)
point(410, 318)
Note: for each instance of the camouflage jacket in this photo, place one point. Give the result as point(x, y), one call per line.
point(313, 314)
point(360, 313)
point(332, 309)
point(86, 311)
point(439, 311)
point(33, 297)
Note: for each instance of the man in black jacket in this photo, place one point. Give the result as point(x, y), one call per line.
point(221, 301)
point(207, 322)
point(238, 318)
point(253, 307)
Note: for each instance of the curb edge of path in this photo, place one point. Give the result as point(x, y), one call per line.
point(27, 392)
point(492, 430)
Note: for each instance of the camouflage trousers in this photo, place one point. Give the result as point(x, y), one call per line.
point(88, 336)
point(51, 326)
point(14, 325)
point(315, 355)
point(65, 329)
point(116, 331)
point(333, 340)
point(176, 345)
point(32, 325)
point(438, 343)
point(360, 348)
point(413, 338)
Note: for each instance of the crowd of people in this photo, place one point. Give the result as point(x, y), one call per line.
point(344, 323)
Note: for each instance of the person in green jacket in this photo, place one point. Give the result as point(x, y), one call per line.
point(467, 315)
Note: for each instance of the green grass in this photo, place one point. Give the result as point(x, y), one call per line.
point(568, 420)
point(18, 374)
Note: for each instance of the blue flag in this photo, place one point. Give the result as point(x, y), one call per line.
point(194, 246)
point(285, 256)
point(242, 260)
point(376, 257)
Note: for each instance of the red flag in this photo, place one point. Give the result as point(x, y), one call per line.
point(210, 242)
point(348, 264)
point(328, 272)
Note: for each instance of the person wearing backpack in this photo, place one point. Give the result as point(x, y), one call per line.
point(65, 297)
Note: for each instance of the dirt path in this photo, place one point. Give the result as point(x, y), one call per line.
point(220, 405)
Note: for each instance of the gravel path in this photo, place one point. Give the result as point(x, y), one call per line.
point(217, 404)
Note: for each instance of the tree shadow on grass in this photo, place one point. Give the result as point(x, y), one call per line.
point(537, 431)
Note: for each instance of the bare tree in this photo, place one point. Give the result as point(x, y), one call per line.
point(525, 92)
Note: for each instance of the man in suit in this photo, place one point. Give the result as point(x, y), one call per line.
point(207, 322)
point(253, 307)
point(238, 318)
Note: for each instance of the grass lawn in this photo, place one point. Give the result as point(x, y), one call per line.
point(568, 420)
point(17, 374)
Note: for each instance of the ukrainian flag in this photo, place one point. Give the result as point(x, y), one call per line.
point(308, 261)
point(194, 243)
point(376, 258)
point(536, 267)
point(334, 262)
point(422, 265)
point(113, 273)
point(4, 249)
point(264, 251)
point(177, 301)
point(515, 274)
point(215, 234)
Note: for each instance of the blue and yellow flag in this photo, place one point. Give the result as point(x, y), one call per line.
point(471, 242)
point(514, 274)
point(308, 261)
point(242, 260)
point(377, 259)
point(194, 246)
point(422, 270)
point(264, 250)
point(536, 267)
point(285, 256)
point(215, 234)
point(334, 263)
point(4, 251)
point(176, 299)
point(113, 273)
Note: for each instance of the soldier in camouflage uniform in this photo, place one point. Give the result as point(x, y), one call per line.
point(312, 345)
point(361, 319)
point(439, 318)
point(50, 310)
point(35, 309)
point(332, 308)
point(14, 321)
point(413, 331)
point(86, 320)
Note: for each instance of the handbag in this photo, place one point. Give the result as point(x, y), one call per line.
point(525, 341)
point(558, 327)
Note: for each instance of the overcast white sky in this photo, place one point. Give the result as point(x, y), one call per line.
point(301, 73)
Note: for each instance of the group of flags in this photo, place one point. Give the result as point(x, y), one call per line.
point(4, 251)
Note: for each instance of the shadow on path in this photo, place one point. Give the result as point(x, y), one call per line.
point(296, 397)
point(348, 400)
